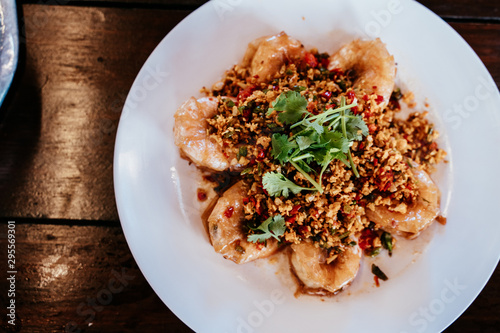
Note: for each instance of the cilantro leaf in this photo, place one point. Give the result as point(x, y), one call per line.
point(272, 227)
point(276, 184)
point(281, 147)
point(315, 125)
point(354, 125)
point(294, 105)
point(332, 139)
point(304, 142)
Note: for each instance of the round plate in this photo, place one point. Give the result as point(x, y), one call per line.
point(431, 280)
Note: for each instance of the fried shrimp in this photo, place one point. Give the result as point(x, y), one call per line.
point(190, 134)
point(418, 216)
point(374, 68)
point(310, 266)
point(226, 229)
point(266, 55)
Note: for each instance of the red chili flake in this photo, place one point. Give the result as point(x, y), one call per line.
point(355, 110)
point(247, 113)
point(202, 195)
point(350, 94)
point(372, 128)
point(375, 161)
point(374, 87)
point(386, 178)
point(325, 62)
point(310, 60)
point(326, 94)
point(256, 76)
point(377, 283)
point(303, 229)
point(379, 99)
point(433, 145)
point(291, 219)
point(295, 210)
point(337, 71)
point(388, 185)
point(259, 208)
point(245, 93)
point(229, 212)
point(311, 107)
point(366, 239)
point(367, 114)
point(246, 200)
point(365, 98)
point(225, 154)
point(261, 155)
point(252, 161)
point(361, 146)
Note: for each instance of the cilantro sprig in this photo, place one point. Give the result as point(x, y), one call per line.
point(318, 138)
point(272, 227)
point(277, 184)
point(294, 105)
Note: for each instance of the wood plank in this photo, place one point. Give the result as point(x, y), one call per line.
point(56, 145)
point(465, 9)
point(64, 276)
point(460, 9)
point(83, 279)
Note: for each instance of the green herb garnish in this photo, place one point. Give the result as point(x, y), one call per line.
point(276, 184)
point(272, 227)
point(316, 138)
point(294, 105)
point(242, 151)
point(378, 273)
point(386, 240)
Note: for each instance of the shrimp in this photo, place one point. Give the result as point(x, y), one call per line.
point(310, 267)
point(190, 134)
point(226, 232)
point(266, 55)
point(419, 216)
point(374, 68)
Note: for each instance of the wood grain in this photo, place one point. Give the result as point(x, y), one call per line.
point(83, 279)
point(56, 145)
point(460, 9)
point(481, 10)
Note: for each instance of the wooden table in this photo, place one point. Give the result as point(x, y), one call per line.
point(57, 131)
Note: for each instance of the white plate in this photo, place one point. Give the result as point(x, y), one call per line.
point(155, 189)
